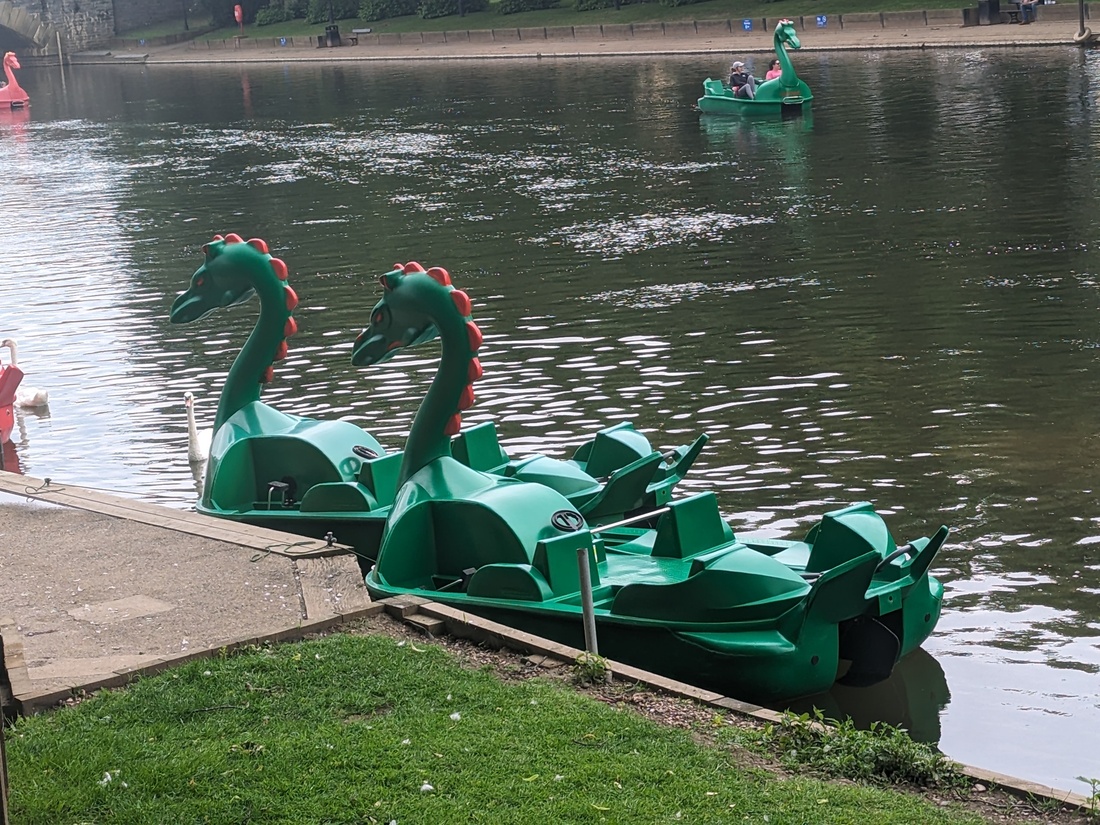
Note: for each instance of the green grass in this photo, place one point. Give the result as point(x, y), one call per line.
point(354, 729)
point(567, 16)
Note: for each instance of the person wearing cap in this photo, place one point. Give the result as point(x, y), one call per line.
point(741, 81)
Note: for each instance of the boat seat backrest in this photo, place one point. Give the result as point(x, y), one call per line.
point(691, 526)
point(843, 535)
point(479, 448)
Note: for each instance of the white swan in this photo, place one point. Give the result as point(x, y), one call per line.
point(25, 396)
point(198, 441)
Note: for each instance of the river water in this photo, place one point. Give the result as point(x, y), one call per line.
point(892, 299)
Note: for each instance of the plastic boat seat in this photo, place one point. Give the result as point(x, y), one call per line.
point(611, 449)
point(692, 525)
point(624, 491)
point(479, 448)
point(741, 585)
point(520, 582)
point(845, 534)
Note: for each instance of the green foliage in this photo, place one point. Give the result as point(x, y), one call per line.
point(445, 8)
point(384, 9)
point(882, 754)
point(317, 12)
point(590, 668)
point(589, 5)
point(1093, 811)
point(270, 15)
point(517, 6)
point(674, 3)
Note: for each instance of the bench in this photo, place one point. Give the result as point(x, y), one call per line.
point(1013, 12)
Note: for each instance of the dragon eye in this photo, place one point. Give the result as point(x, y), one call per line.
point(200, 281)
point(378, 318)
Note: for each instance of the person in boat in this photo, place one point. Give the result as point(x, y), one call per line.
point(741, 81)
point(773, 70)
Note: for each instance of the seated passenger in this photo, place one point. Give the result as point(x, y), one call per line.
point(741, 81)
point(773, 70)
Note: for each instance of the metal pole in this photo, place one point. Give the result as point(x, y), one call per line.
point(588, 608)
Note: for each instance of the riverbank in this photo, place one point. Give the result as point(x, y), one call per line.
point(908, 30)
point(118, 589)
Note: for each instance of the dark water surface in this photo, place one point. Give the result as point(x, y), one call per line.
point(892, 300)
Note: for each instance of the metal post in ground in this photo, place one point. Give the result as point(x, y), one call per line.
point(588, 607)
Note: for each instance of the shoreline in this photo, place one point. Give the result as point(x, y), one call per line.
point(264, 50)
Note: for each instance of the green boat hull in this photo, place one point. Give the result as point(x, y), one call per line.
point(770, 100)
point(732, 618)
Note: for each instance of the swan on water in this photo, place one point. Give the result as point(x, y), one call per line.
point(198, 441)
point(31, 397)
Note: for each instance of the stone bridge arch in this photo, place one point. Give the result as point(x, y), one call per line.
point(19, 29)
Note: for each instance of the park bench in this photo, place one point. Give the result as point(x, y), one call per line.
point(1013, 12)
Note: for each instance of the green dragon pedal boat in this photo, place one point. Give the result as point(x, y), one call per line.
point(763, 620)
point(786, 94)
point(332, 479)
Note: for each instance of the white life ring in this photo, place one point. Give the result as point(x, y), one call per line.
point(1083, 38)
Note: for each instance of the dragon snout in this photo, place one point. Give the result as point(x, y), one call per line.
point(370, 348)
point(188, 307)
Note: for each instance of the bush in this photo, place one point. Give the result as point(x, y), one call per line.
point(516, 6)
point(265, 17)
point(675, 3)
point(444, 8)
point(341, 10)
point(382, 9)
point(589, 5)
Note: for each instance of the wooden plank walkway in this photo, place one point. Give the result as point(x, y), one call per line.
point(183, 521)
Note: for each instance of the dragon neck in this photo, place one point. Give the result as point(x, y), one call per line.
point(252, 367)
point(10, 75)
point(451, 390)
point(788, 77)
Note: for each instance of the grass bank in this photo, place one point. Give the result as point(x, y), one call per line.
point(357, 729)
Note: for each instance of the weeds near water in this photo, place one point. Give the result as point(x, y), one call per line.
point(1093, 799)
point(883, 753)
point(590, 669)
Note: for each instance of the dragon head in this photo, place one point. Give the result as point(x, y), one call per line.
point(784, 32)
point(227, 277)
point(403, 318)
point(11, 60)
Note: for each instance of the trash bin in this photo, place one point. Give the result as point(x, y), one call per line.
point(989, 12)
point(332, 34)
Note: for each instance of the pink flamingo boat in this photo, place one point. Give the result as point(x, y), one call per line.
point(10, 378)
point(12, 95)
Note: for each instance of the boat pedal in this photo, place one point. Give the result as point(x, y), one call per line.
point(460, 584)
point(282, 487)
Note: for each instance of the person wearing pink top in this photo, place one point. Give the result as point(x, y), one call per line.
point(773, 69)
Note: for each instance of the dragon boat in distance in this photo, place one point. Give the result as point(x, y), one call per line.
point(331, 478)
point(786, 94)
point(762, 620)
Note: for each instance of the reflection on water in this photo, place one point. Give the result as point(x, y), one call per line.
point(847, 302)
point(912, 698)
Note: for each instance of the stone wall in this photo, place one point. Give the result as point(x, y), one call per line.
point(82, 23)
